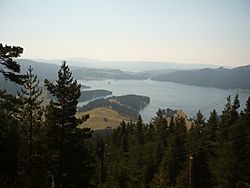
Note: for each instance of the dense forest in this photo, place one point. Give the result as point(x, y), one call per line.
point(42, 146)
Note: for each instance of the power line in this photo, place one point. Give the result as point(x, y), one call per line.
point(175, 136)
point(204, 108)
point(135, 136)
point(197, 140)
point(202, 149)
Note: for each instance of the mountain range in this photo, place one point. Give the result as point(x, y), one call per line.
point(226, 78)
point(236, 78)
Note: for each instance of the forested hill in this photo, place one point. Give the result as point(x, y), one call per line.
point(126, 105)
point(93, 94)
point(237, 78)
point(48, 70)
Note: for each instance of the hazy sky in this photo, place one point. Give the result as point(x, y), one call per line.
point(187, 31)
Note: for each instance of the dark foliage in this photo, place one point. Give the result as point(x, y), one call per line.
point(43, 147)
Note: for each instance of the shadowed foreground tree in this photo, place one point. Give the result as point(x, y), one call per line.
point(30, 117)
point(9, 126)
point(10, 68)
point(69, 162)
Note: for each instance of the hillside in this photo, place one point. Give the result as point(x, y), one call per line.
point(49, 71)
point(87, 95)
point(101, 118)
point(237, 78)
point(10, 87)
point(81, 73)
point(126, 105)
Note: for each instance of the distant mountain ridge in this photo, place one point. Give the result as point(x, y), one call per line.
point(236, 78)
point(49, 71)
point(135, 66)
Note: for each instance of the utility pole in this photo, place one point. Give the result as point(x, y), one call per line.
point(190, 172)
point(102, 161)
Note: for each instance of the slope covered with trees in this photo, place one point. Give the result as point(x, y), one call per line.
point(213, 153)
point(93, 94)
point(237, 78)
point(44, 146)
point(126, 105)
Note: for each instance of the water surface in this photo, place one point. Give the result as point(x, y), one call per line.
point(169, 95)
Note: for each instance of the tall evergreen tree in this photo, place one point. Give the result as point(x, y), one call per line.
point(9, 144)
point(66, 140)
point(124, 137)
point(139, 126)
point(174, 158)
point(9, 126)
point(225, 166)
point(197, 140)
point(226, 119)
point(30, 116)
point(242, 148)
point(213, 127)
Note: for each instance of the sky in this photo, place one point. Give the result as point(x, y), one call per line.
point(187, 31)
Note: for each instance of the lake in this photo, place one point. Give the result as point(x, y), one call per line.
point(170, 95)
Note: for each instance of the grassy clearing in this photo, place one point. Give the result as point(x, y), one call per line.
point(102, 118)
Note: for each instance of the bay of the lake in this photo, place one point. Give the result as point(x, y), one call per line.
point(170, 95)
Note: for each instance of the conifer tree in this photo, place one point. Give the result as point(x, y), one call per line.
point(225, 166)
point(66, 140)
point(30, 116)
point(199, 119)
point(242, 148)
point(9, 144)
point(213, 126)
point(197, 140)
point(124, 137)
point(173, 161)
point(8, 67)
point(161, 125)
point(9, 126)
point(226, 119)
point(139, 126)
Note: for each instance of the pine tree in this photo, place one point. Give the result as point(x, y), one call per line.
point(9, 126)
point(10, 68)
point(30, 116)
point(161, 179)
point(66, 140)
point(124, 137)
point(226, 119)
point(225, 165)
point(174, 158)
point(9, 144)
point(197, 140)
point(139, 127)
point(161, 125)
point(235, 107)
point(199, 119)
point(213, 127)
point(242, 148)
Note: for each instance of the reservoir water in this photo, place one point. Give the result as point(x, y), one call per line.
point(170, 95)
